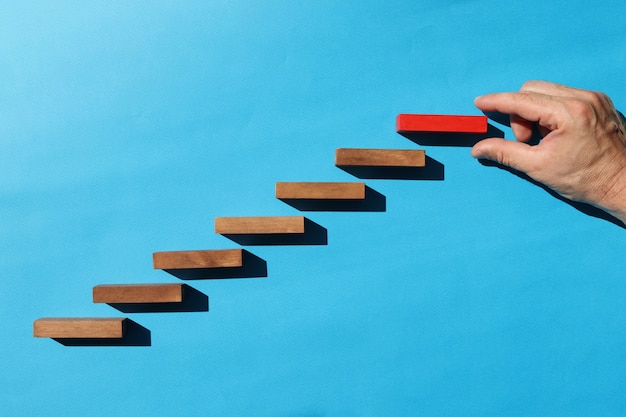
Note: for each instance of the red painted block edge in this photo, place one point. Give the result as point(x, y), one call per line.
point(441, 123)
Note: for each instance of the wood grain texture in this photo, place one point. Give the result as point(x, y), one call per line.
point(79, 328)
point(222, 258)
point(321, 190)
point(138, 293)
point(380, 157)
point(259, 225)
point(424, 123)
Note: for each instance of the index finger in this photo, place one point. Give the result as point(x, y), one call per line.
point(596, 98)
point(531, 106)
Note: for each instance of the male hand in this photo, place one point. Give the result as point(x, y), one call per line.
point(582, 153)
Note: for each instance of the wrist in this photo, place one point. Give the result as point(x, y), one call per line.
point(614, 200)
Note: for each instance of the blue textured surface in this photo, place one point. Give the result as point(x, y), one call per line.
point(126, 128)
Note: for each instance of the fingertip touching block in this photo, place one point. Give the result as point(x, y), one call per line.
point(435, 123)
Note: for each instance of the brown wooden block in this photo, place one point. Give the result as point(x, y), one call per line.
point(259, 225)
point(380, 157)
point(79, 328)
point(138, 293)
point(195, 259)
point(320, 190)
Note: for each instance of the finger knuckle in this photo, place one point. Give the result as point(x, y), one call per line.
point(606, 101)
point(529, 85)
point(603, 97)
point(501, 157)
point(598, 99)
point(580, 109)
point(523, 96)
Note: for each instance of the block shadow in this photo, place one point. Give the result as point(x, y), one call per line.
point(314, 234)
point(134, 335)
point(433, 171)
point(452, 139)
point(584, 208)
point(501, 118)
point(374, 202)
point(253, 267)
point(193, 301)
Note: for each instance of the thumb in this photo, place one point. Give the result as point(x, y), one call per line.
point(516, 155)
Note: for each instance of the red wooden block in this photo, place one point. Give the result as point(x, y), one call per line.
point(422, 123)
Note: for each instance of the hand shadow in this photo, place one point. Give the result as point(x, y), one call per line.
point(505, 120)
point(585, 208)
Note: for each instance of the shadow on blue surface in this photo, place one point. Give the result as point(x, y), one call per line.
point(433, 171)
point(505, 120)
point(253, 267)
point(585, 208)
point(374, 202)
point(453, 139)
point(314, 234)
point(134, 335)
point(193, 301)
point(501, 118)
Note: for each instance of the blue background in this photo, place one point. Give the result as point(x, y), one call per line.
point(126, 127)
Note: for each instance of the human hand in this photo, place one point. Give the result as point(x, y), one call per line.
point(582, 153)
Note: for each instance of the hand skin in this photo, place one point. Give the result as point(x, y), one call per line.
point(582, 153)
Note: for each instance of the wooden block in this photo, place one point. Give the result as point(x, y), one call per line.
point(422, 123)
point(223, 258)
point(79, 328)
point(321, 190)
point(138, 293)
point(380, 157)
point(259, 225)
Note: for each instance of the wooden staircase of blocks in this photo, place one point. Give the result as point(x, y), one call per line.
point(265, 230)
